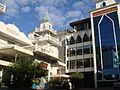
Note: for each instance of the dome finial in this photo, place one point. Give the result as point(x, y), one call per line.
point(46, 18)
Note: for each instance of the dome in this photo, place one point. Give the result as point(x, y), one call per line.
point(2, 26)
point(22, 35)
point(13, 27)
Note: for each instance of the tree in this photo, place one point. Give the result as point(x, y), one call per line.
point(77, 80)
point(21, 73)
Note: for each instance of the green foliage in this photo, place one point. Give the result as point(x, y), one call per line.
point(77, 75)
point(23, 71)
point(77, 80)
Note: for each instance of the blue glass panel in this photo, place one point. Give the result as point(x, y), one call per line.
point(108, 42)
point(110, 71)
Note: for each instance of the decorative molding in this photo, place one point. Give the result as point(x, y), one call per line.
point(105, 11)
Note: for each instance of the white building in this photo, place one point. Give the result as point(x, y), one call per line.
point(12, 43)
point(42, 45)
point(46, 43)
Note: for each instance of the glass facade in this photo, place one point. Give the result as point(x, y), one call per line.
point(107, 41)
point(80, 63)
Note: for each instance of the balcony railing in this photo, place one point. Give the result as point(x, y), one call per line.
point(38, 30)
point(47, 38)
point(5, 45)
point(38, 48)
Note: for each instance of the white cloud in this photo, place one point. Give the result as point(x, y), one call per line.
point(79, 4)
point(56, 15)
point(49, 2)
point(73, 14)
point(26, 9)
point(12, 8)
point(40, 11)
point(23, 2)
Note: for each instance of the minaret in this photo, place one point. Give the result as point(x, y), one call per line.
point(103, 3)
point(46, 23)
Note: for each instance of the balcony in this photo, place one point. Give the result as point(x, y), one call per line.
point(11, 49)
point(47, 38)
point(42, 52)
point(38, 30)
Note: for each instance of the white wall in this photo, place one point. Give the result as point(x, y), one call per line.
point(108, 2)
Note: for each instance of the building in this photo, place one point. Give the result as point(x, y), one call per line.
point(12, 43)
point(41, 45)
point(45, 47)
point(105, 23)
point(79, 52)
point(93, 46)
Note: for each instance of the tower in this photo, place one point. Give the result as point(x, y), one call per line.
point(105, 24)
point(103, 3)
point(46, 24)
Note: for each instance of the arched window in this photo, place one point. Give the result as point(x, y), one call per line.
point(78, 40)
point(104, 4)
point(85, 38)
point(67, 41)
point(72, 40)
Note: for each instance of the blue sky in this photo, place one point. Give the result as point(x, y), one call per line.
point(27, 14)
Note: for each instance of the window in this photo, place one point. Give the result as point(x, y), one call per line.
point(43, 25)
point(78, 40)
point(72, 40)
point(92, 63)
point(87, 62)
point(86, 49)
point(49, 26)
point(79, 50)
point(72, 64)
point(72, 51)
point(91, 49)
point(79, 63)
point(67, 41)
point(104, 4)
point(91, 37)
point(85, 38)
point(68, 52)
point(68, 65)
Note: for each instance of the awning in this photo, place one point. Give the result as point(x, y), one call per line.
point(61, 63)
point(13, 50)
point(46, 57)
point(61, 75)
point(5, 63)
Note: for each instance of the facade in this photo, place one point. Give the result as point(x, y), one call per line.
point(41, 45)
point(79, 51)
point(46, 43)
point(105, 24)
point(92, 47)
point(12, 43)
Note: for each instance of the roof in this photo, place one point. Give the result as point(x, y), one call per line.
point(80, 22)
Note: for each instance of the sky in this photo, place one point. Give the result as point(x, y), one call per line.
point(27, 14)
